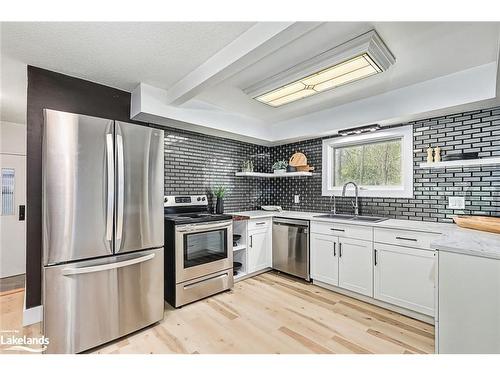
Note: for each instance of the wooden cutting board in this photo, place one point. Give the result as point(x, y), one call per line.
point(298, 159)
point(484, 223)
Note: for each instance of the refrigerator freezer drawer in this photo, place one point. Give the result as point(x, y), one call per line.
point(89, 303)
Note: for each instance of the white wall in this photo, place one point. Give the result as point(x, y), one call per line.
point(13, 231)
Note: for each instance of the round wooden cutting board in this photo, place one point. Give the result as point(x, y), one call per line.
point(297, 160)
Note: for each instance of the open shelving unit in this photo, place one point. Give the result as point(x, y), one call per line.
point(240, 251)
point(463, 163)
point(273, 175)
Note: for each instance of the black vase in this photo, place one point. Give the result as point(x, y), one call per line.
point(219, 207)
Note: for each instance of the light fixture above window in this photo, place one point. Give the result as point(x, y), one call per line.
point(360, 129)
point(356, 59)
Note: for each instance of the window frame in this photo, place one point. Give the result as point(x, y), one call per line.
point(405, 133)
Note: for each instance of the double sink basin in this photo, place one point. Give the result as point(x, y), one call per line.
point(360, 218)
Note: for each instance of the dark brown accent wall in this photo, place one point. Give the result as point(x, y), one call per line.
point(52, 90)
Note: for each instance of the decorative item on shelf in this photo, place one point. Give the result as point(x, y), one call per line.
point(299, 161)
point(236, 238)
point(220, 192)
point(437, 154)
point(460, 156)
point(291, 168)
point(247, 166)
point(236, 267)
point(483, 223)
point(430, 158)
point(280, 166)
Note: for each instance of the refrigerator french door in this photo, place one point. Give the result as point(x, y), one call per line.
point(102, 229)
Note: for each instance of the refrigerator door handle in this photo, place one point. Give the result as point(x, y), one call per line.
point(111, 187)
point(121, 192)
point(107, 266)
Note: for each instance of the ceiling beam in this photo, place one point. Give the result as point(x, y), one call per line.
point(258, 41)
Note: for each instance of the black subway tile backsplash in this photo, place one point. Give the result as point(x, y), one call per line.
point(195, 163)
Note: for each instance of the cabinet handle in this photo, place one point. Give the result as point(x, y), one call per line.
point(340, 249)
point(375, 256)
point(251, 240)
point(335, 249)
point(337, 230)
point(406, 239)
point(260, 223)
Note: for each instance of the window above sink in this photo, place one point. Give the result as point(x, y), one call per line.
point(379, 162)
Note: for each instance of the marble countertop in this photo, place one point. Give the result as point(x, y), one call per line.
point(469, 242)
point(452, 239)
point(421, 226)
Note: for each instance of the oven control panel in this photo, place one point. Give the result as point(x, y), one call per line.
point(185, 200)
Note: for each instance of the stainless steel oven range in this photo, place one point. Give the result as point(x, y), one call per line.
point(198, 250)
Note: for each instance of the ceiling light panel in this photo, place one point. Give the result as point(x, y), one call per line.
point(359, 58)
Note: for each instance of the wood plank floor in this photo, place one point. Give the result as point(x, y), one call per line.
point(11, 319)
point(269, 313)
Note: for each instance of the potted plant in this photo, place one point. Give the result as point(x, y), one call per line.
point(280, 166)
point(220, 192)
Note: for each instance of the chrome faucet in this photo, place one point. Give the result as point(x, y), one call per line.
point(334, 209)
point(355, 205)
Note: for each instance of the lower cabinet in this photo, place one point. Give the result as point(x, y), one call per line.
point(343, 262)
point(324, 261)
point(405, 277)
point(356, 265)
point(259, 249)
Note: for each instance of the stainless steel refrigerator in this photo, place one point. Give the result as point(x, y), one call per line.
point(102, 229)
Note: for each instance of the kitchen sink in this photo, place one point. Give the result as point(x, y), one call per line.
point(365, 219)
point(336, 216)
point(369, 219)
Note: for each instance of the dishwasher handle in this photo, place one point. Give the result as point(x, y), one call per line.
point(291, 222)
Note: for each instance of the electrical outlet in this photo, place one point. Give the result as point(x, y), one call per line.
point(456, 203)
point(296, 198)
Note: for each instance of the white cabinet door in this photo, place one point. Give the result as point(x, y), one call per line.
point(324, 260)
point(356, 265)
point(259, 250)
point(405, 277)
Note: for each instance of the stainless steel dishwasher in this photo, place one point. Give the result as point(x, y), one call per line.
point(291, 246)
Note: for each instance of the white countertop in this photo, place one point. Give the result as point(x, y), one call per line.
point(421, 226)
point(470, 242)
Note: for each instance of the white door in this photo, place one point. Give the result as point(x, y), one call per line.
point(259, 250)
point(324, 260)
point(13, 227)
point(356, 265)
point(405, 277)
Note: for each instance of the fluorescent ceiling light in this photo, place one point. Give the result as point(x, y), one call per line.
point(356, 59)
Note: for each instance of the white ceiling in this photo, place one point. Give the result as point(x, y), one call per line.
point(423, 51)
point(120, 54)
point(164, 55)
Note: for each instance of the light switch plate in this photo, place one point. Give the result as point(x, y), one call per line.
point(296, 198)
point(456, 203)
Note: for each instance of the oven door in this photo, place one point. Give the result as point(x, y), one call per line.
point(202, 249)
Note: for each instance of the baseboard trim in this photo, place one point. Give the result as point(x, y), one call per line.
point(247, 276)
point(388, 306)
point(32, 315)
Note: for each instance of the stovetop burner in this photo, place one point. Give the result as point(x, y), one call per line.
point(190, 209)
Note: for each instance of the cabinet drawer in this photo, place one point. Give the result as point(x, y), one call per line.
point(343, 230)
point(404, 237)
point(259, 223)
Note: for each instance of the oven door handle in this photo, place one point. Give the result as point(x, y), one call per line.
point(186, 228)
